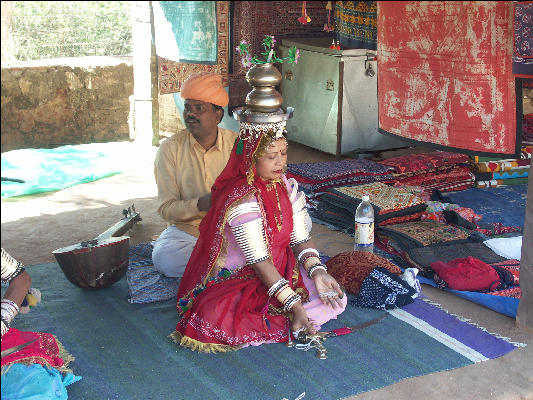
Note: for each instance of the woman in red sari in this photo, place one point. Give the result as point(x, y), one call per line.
point(243, 284)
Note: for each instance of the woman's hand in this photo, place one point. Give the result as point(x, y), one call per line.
point(300, 321)
point(328, 289)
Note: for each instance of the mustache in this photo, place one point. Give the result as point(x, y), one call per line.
point(189, 119)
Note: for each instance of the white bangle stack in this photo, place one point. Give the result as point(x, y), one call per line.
point(8, 313)
point(277, 286)
point(308, 250)
point(291, 302)
point(299, 232)
point(314, 268)
point(284, 294)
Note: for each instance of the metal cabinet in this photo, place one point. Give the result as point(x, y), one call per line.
point(334, 95)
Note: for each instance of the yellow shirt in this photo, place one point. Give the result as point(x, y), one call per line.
point(185, 171)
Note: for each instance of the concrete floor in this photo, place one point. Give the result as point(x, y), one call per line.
point(33, 226)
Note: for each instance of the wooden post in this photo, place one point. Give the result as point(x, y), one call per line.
point(142, 76)
point(524, 316)
point(154, 70)
point(8, 45)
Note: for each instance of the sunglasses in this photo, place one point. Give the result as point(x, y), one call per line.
point(195, 108)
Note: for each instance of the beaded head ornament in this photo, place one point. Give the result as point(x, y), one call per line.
point(267, 134)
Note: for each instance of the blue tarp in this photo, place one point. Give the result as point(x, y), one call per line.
point(46, 170)
point(502, 304)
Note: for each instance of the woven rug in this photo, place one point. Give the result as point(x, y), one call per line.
point(315, 178)
point(499, 166)
point(423, 257)
point(506, 204)
point(500, 182)
point(503, 301)
point(145, 283)
point(413, 234)
point(330, 170)
point(456, 178)
point(415, 163)
point(388, 202)
point(518, 172)
point(442, 81)
point(122, 350)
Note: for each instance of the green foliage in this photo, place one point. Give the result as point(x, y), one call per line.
point(54, 29)
point(269, 55)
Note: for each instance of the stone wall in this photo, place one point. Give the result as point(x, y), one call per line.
point(170, 119)
point(49, 103)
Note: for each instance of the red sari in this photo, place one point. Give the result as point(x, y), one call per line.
point(46, 350)
point(223, 310)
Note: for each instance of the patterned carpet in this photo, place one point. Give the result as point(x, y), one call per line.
point(122, 350)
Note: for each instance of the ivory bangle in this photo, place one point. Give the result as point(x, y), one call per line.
point(9, 310)
point(299, 232)
point(5, 327)
point(284, 294)
point(277, 286)
point(291, 302)
point(308, 250)
point(250, 236)
point(11, 268)
point(310, 262)
point(314, 268)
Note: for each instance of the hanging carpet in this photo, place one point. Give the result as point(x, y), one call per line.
point(445, 75)
point(202, 28)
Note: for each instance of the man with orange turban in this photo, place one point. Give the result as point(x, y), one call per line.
point(186, 166)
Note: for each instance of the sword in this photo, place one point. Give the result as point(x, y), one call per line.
point(306, 342)
point(14, 349)
point(350, 329)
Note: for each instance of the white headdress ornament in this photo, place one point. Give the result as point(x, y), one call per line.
point(249, 129)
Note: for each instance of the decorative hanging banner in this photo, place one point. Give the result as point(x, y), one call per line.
point(523, 39)
point(328, 27)
point(356, 24)
point(304, 19)
point(445, 75)
point(205, 47)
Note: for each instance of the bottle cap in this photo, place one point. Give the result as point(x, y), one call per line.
point(366, 197)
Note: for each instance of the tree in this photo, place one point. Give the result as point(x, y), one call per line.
point(52, 29)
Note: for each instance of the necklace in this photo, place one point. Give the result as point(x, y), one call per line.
point(272, 185)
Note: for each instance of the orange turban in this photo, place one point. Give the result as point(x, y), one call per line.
point(205, 86)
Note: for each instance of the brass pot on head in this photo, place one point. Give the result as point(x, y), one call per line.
point(264, 97)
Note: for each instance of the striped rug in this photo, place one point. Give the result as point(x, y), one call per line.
point(123, 351)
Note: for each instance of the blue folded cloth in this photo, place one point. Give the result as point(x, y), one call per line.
point(383, 290)
point(35, 382)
